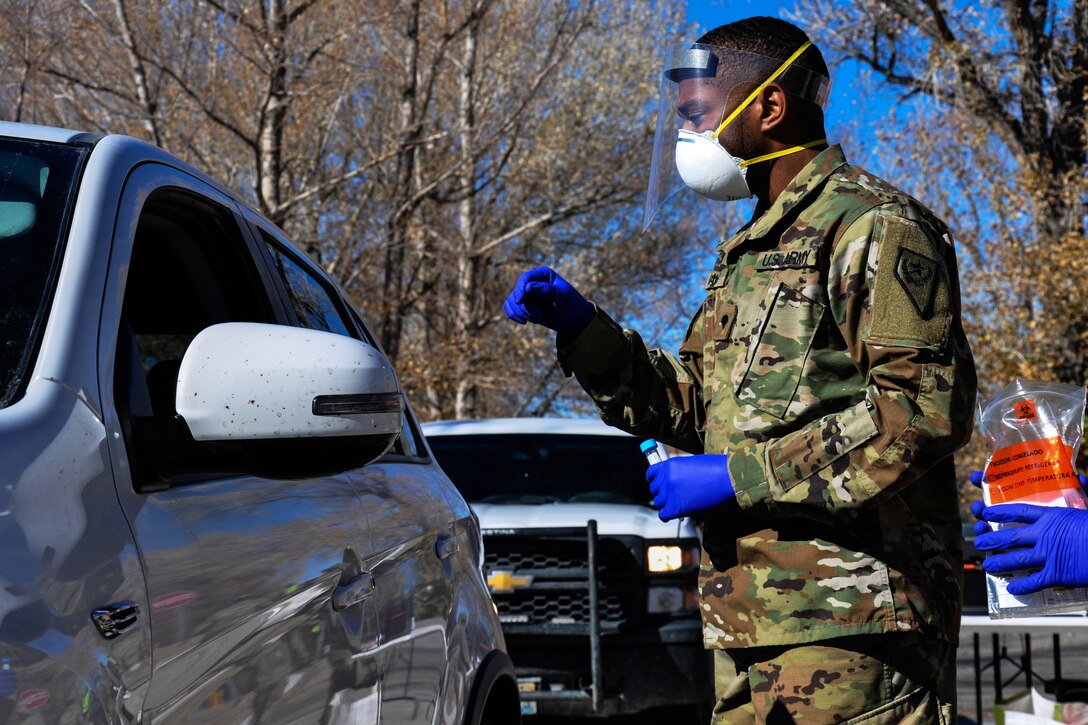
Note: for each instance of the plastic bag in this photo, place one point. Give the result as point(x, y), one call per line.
point(1033, 431)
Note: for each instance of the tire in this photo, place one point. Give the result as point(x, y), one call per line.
point(494, 699)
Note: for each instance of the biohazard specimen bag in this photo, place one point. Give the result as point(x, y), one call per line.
point(1033, 431)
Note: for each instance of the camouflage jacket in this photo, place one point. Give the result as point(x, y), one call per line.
point(829, 362)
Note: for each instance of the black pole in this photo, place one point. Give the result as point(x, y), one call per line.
point(1057, 661)
point(594, 618)
point(1025, 661)
point(978, 679)
point(997, 668)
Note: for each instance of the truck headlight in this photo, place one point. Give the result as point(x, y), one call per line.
point(664, 558)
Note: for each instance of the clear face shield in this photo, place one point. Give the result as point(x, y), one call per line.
point(696, 83)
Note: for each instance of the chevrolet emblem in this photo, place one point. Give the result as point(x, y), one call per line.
point(504, 582)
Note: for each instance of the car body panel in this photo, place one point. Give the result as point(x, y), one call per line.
point(269, 645)
point(66, 549)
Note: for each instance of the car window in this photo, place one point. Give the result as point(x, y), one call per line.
point(312, 302)
point(190, 268)
point(543, 468)
point(317, 307)
point(408, 443)
point(36, 194)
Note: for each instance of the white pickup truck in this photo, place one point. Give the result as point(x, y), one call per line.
point(598, 598)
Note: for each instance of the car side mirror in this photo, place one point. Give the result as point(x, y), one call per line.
point(243, 381)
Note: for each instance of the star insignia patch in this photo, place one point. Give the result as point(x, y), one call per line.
point(917, 274)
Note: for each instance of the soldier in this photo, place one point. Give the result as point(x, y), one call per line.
point(824, 384)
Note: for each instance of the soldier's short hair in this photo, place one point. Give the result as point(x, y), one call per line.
point(773, 38)
point(767, 36)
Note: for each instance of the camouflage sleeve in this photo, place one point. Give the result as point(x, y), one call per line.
point(894, 296)
point(649, 393)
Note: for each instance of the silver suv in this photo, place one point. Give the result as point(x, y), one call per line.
point(215, 503)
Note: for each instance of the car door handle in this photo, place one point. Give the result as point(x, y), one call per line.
point(445, 546)
point(355, 591)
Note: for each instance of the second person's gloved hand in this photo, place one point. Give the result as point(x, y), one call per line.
point(543, 297)
point(1054, 538)
point(686, 484)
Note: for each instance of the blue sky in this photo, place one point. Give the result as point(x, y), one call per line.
point(711, 13)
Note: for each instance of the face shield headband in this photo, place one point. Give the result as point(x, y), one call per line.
point(687, 153)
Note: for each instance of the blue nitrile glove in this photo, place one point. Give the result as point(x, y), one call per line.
point(1054, 538)
point(686, 484)
point(543, 297)
point(981, 527)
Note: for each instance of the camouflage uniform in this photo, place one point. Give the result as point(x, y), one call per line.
point(829, 362)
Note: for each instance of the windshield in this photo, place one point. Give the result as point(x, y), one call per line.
point(544, 468)
point(35, 192)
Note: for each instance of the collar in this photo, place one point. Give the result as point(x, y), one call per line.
point(807, 181)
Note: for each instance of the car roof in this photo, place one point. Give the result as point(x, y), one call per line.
point(48, 134)
point(521, 426)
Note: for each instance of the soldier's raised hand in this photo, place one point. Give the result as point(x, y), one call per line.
point(543, 297)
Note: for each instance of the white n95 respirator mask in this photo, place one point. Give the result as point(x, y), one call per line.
point(708, 169)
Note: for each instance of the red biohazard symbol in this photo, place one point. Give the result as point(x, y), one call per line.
point(1025, 410)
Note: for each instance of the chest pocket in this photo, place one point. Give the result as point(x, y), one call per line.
point(719, 315)
point(767, 376)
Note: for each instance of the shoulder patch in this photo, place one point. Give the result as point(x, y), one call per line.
point(918, 275)
point(911, 296)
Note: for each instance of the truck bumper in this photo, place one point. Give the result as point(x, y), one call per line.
point(666, 666)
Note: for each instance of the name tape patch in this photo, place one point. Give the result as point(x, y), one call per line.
point(797, 259)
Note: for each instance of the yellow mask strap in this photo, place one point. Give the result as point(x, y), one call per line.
point(783, 152)
point(781, 69)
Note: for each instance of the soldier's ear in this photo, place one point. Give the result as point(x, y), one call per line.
point(772, 105)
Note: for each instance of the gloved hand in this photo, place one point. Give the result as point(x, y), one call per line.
point(687, 484)
point(543, 297)
point(1054, 538)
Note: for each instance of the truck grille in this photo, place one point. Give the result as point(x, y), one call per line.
point(525, 560)
point(547, 608)
point(556, 564)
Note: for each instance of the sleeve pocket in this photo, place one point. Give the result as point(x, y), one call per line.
point(797, 457)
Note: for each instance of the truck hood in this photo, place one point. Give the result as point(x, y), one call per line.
point(612, 519)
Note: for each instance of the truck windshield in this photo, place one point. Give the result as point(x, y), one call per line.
point(36, 181)
point(551, 468)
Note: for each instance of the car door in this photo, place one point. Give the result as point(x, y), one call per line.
point(410, 521)
point(245, 575)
